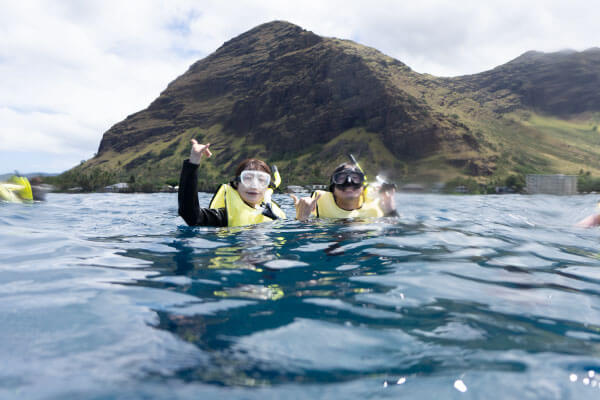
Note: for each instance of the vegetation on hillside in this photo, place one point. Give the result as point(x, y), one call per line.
point(586, 183)
point(303, 102)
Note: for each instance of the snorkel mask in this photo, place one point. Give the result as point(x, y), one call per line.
point(348, 177)
point(254, 179)
point(345, 176)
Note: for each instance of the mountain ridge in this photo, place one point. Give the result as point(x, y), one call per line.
point(292, 97)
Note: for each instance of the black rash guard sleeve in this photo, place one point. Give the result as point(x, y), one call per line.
point(189, 209)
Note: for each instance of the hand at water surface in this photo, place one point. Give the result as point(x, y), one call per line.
point(199, 150)
point(387, 201)
point(304, 206)
point(589, 222)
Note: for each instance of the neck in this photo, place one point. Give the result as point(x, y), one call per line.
point(252, 205)
point(348, 204)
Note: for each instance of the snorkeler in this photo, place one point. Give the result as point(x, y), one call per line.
point(17, 190)
point(348, 197)
point(244, 201)
point(589, 221)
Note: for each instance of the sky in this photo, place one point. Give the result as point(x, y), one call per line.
point(70, 69)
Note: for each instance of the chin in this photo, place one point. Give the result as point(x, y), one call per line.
point(350, 194)
point(253, 198)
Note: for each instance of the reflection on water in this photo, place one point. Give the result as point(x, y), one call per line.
point(461, 296)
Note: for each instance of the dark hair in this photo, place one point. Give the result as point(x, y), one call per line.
point(342, 167)
point(252, 164)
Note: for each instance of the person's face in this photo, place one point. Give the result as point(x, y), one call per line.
point(347, 193)
point(252, 186)
point(348, 185)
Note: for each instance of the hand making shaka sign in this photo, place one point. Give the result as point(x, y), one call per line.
point(305, 206)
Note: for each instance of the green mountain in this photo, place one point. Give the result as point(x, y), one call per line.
point(302, 101)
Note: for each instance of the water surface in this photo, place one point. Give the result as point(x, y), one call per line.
point(112, 296)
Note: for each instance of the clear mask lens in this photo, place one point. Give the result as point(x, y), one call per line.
point(256, 179)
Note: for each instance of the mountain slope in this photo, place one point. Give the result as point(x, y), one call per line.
point(560, 84)
point(303, 101)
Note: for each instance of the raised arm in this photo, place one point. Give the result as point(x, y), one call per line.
point(199, 150)
point(189, 208)
point(387, 203)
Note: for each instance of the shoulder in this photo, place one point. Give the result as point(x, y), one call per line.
point(321, 193)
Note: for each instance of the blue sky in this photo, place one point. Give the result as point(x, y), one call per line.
point(71, 69)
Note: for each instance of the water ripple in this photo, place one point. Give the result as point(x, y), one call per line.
point(473, 294)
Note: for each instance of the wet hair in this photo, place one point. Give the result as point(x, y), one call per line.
point(342, 167)
point(253, 164)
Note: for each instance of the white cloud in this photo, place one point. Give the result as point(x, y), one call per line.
point(71, 69)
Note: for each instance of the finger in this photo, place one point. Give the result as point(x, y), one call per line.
point(194, 141)
point(295, 199)
point(316, 198)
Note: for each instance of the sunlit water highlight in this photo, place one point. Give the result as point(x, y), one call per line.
point(111, 296)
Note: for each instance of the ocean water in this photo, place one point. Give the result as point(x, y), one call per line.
point(108, 296)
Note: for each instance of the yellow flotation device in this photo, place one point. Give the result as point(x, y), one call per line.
point(327, 208)
point(238, 212)
point(16, 190)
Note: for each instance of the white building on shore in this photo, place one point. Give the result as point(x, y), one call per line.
point(551, 184)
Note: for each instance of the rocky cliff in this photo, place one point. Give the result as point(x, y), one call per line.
point(303, 101)
point(561, 84)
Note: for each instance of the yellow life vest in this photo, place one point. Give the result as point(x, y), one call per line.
point(238, 212)
point(327, 208)
point(16, 190)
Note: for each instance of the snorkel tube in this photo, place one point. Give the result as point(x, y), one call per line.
point(274, 185)
point(268, 211)
point(365, 192)
point(277, 180)
point(353, 160)
point(384, 185)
